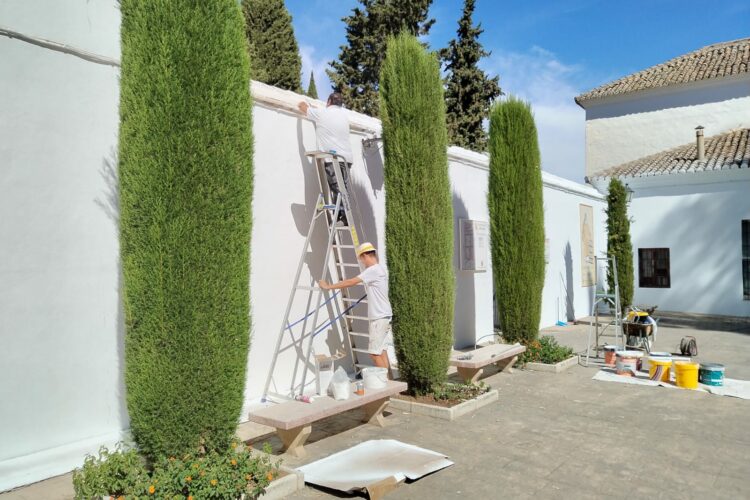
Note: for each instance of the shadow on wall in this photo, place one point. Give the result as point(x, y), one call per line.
point(373, 160)
point(570, 313)
point(109, 203)
point(464, 322)
point(701, 279)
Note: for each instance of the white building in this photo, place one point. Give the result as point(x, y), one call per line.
point(690, 208)
point(61, 321)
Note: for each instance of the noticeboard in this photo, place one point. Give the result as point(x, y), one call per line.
point(474, 239)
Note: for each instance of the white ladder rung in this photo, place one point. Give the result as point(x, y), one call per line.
point(344, 264)
point(308, 288)
point(361, 301)
point(353, 316)
point(363, 351)
point(343, 246)
point(359, 334)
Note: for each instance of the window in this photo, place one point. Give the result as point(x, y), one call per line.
point(746, 259)
point(653, 267)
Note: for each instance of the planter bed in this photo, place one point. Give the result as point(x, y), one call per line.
point(440, 409)
point(556, 368)
point(289, 481)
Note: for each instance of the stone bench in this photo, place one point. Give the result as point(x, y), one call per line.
point(502, 355)
point(293, 419)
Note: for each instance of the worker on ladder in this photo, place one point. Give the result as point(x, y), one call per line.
point(379, 313)
point(332, 130)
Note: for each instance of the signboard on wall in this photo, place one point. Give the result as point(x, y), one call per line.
point(474, 237)
point(588, 263)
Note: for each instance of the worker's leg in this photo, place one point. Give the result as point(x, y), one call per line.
point(333, 184)
point(381, 361)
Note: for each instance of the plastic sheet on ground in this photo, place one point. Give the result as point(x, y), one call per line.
point(732, 387)
point(373, 463)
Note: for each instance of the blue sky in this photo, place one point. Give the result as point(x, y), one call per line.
point(549, 51)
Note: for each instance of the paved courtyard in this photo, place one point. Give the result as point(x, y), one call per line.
point(566, 436)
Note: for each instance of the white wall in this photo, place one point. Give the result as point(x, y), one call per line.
point(624, 128)
point(698, 217)
point(61, 325)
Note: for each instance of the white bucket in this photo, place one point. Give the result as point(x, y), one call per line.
point(375, 377)
point(341, 390)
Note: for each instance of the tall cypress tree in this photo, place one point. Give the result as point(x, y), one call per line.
point(516, 219)
point(273, 47)
point(419, 211)
point(618, 241)
point(185, 173)
point(356, 73)
point(312, 90)
point(469, 91)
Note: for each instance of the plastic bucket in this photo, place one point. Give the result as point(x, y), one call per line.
point(658, 368)
point(686, 374)
point(663, 355)
point(627, 362)
point(375, 377)
point(341, 390)
point(711, 374)
point(610, 358)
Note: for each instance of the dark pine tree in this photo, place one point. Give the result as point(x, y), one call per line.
point(618, 241)
point(312, 90)
point(356, 73)
point(469, 91)
point(274, 53)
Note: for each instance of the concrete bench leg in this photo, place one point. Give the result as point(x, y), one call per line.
point(374, 412)
point(294, 439)
point(506, 365)
point(469, 375)
point(381, 488)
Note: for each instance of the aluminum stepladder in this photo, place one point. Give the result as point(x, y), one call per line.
point(347, 308)
point(612, 299)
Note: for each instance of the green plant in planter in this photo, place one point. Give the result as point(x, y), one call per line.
point(545, 350)
point(124, 473)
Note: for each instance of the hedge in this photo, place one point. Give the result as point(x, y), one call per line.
point(618, 242)
point(419, 211)
point(185, 173)
point(516, 219)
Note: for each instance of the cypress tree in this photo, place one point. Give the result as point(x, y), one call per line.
point(618, 241)
point(516, 219)
point(273, 47)
point(312, 90)
point(356, 73)
point(185, 173)
point(419, 211)
point(469, 91)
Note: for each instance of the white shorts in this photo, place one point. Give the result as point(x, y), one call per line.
point(379, 330)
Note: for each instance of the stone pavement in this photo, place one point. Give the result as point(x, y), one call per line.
point(564, 436)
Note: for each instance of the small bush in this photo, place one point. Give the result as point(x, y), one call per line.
point(545, 350)
point(125, 473)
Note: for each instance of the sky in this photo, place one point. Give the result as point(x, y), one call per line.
point(548, 51)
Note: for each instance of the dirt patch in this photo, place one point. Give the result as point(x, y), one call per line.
point(447, 396)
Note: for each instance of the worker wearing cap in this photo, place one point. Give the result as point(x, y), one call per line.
point(375, 279)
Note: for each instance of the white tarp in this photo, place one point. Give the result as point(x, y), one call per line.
point(732, 387)
point(373, 462)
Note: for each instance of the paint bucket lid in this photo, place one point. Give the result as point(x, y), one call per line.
point(714, 367)
point(686, 364)
point(660, 354)
point(659, 360)
point(629, 354)
point(612, 348)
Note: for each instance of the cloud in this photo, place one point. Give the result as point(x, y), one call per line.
point(318, 65)
point(550, 85)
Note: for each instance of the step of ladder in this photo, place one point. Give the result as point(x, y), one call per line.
point(354, 316)
point(360, 301)
point(359, 334)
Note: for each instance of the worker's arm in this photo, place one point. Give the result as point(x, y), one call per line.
point(341, 284)
point(303, 107)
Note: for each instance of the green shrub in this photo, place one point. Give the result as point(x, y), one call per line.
point(185, 172)
point(419, 211)
point(545, 350)
point(618, 241)
point(516, 219)
point(228, 474)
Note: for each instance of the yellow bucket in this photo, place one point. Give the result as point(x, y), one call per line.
point(686, 374)
point(658, 368)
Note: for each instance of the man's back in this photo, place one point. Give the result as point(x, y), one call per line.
point(332, 128)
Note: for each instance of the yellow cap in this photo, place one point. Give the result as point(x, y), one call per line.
point(364, 248)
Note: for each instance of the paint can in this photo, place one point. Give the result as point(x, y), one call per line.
point(686, 374)
point(711, 374)
point(609, 354)
point(627, 362)
point(658, 368)
point(661, 355)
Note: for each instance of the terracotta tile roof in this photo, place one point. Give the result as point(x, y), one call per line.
point(713, 61)
point(726, 151)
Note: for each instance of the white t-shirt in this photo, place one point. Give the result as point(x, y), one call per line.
point(332, 127)
point(375, 279)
